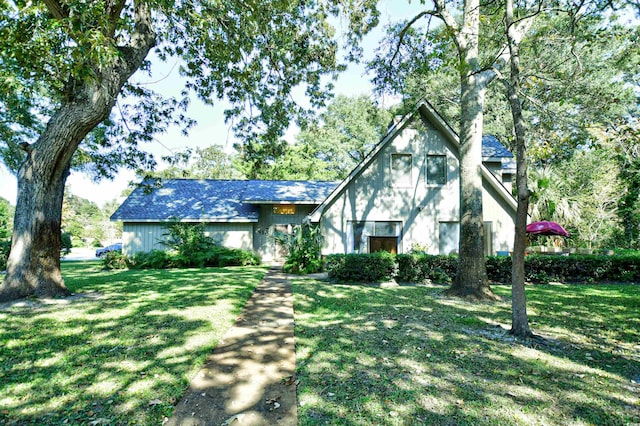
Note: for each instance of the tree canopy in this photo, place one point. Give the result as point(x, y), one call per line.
point(64, 66)
point(333, 143)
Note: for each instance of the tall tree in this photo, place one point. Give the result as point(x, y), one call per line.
point(334, 142)
point(476, 70)
point(67, 63)
point(211, 162)
point(519, 317)
point(626, 143)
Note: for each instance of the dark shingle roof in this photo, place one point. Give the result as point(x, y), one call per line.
point(492, 148)
point(216, 200)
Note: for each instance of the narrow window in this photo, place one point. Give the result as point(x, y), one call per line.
point(436, 169)
point(401, 170)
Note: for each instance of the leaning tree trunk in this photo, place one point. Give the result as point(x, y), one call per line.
point(33, 266)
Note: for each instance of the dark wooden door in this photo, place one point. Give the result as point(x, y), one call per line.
point(389, 244)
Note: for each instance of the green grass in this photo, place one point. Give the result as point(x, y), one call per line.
point(123, 352)
point(409, 356)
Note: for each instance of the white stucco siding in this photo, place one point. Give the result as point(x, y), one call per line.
point(372, 195)
point(144, 237)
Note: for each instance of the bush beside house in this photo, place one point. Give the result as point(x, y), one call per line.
point(159, 259)
point(420, 268)
point(188, 247)
point(374, 267)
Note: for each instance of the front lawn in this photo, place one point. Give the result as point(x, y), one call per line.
point(121, 351)
point(408, 356)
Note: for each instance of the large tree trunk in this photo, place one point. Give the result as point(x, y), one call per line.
point(471, 278)
point(519, 318)
point(33, 266)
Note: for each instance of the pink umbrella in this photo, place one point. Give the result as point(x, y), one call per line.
point(546, 228)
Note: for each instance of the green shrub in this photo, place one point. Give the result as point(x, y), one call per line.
point(499, 269)
point(304, 247)
point(578, 268)
point(215, 256)
point(189, 242)
point(65, 243)
point(423, 268)
point(238, 257)
point(114, 260)
point(539, 269)
point(373, 267)
point(5, 246)
point(154, 259)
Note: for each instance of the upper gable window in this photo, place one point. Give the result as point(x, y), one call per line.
point(401, 170)
point(436, 169)
point(284, 209)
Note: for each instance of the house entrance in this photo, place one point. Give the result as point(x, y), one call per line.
point(281, 251)
point(389, 244)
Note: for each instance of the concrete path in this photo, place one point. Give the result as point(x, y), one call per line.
point(249, 379)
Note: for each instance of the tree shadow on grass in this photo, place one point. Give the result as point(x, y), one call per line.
point(410, 356)
point(122, 356)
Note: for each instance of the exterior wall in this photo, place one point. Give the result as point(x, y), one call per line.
point(424, 209)
point(263, 242)
point(502, 218)
point(143, 237)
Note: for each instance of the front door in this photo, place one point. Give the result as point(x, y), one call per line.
point(389, 244)
point(281, 251)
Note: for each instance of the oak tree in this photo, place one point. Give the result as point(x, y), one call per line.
point(65, 64)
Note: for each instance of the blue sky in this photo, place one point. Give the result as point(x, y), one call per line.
point(211, 128)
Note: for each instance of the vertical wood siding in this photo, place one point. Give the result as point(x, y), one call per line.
point(143, 237)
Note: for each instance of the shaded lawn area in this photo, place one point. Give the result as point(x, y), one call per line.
point(408, 355)
point(120, 352)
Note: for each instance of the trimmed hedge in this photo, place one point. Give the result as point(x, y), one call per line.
point(369, 268)
point(421, 268)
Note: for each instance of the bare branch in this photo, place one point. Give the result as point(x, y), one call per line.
point(404, 30)
point(56, 9)
point(446, 17)
point(114, 9)
point(26, 147)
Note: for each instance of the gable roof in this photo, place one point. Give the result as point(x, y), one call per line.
point(212, 200)
point(428, 113)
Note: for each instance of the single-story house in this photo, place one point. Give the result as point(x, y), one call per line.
point(404, 194)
